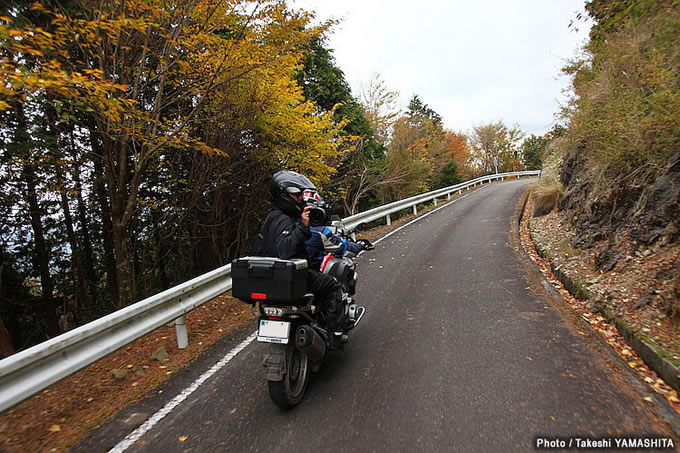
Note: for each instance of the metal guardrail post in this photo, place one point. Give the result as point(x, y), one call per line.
point(29, 371)
point(181, 331)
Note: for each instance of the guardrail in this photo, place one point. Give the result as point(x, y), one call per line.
point(30, 371)
point(385, 210)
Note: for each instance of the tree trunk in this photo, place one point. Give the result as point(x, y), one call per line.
point(42, 259)
point(57, 130)
point(107, 226)
point(122, 194)
point(42, 255)
point(84, 308)
point(88, 254)
point(6, 346)
point(124, 269)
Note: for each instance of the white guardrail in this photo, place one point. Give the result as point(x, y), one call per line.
point(30, 371)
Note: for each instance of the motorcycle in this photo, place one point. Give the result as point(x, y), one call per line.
point(289, 321)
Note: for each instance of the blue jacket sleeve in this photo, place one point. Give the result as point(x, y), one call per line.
point(345, 246)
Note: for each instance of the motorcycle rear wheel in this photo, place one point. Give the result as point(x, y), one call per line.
point(288, 392)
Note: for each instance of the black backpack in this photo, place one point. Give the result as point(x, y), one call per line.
point(256, 248)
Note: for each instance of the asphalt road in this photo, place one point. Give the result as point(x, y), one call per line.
point(460, 350)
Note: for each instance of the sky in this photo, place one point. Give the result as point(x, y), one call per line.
point(473, 61)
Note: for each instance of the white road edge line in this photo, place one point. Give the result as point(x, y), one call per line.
point(133, 437)
point(176, 401)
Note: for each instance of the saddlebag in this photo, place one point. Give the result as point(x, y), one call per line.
point(264, 279)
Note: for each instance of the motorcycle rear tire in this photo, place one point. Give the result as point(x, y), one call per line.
point(288, 392)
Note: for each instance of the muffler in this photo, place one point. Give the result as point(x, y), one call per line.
point(310, 343)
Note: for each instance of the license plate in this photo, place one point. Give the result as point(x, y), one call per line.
point(273, 331)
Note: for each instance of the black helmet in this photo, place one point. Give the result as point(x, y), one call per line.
point(285, 182)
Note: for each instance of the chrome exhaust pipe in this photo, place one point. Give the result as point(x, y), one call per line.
point(356, 312)
point(308, 341)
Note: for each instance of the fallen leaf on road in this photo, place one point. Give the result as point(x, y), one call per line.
point(55, 428)
point(183, 438)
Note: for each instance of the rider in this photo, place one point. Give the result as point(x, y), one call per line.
point(323, 237)
point(283, 235)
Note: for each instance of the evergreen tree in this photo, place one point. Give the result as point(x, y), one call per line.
point(533, 148)
point(324, 84)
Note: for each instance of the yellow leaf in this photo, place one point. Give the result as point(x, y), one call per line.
point(183, 438)
point(55, 428)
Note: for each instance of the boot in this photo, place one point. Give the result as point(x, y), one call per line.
point(337, 340)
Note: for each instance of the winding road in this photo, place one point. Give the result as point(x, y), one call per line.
point(461, 349)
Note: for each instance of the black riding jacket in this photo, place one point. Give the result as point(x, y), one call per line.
point(284, 236)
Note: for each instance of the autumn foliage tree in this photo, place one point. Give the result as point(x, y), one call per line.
point(324, 83)
point(494, 142)
point(416, 148)
point(137, 139)
point(380, 108)
point(459, 151)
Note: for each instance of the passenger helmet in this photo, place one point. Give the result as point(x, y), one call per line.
point(312, 197)
point(285, 182)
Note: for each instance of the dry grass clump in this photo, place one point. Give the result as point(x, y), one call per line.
point(547, 194)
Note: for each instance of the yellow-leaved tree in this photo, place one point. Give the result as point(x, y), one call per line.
point(193, 83)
